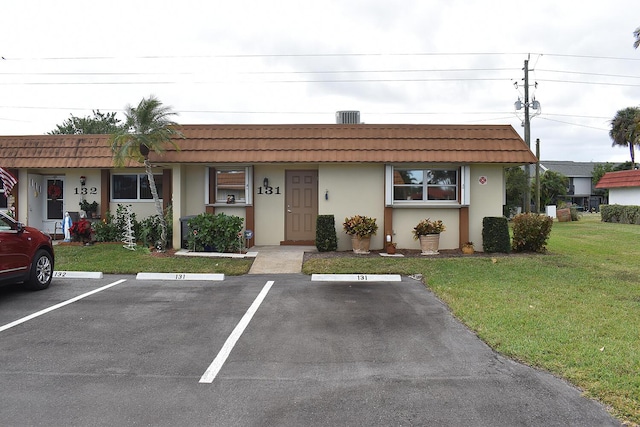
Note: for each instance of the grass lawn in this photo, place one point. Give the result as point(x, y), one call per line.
point(574, 311)
point(111, 258)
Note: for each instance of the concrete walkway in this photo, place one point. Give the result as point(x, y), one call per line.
point(279, 259)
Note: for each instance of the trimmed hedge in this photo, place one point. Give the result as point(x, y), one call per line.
point(215, 233)
point(326, 239)
point(620, 213)
point(495, 235)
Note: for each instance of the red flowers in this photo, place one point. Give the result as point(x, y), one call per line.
point(81, 230)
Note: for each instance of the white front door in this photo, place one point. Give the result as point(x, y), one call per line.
point(36, 201)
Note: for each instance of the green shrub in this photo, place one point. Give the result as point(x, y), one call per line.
point(495, 235)
point(111, 227)
point(531, 232)
point(611, 213)
point(217, 233)
point(620, 213)
point(575, 215)
point(150, 229)
point(326, 239)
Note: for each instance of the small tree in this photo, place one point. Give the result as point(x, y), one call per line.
point(516, 187)
point(147, 127)
point(552, 186)
point(100, 123)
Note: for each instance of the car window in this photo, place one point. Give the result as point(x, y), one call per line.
point(5, 223)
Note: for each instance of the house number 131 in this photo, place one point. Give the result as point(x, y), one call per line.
point(269, 190)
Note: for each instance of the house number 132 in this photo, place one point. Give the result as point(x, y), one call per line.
point(85, 190)
point(269, 190)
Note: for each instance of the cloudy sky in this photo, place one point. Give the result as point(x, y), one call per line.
point(257, 61)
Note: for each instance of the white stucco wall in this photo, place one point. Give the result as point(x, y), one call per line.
point(405, 219)
point(487, 198)
point(269, 209)
point(352, 189)
point(624, 196)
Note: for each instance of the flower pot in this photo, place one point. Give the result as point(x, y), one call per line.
point(391, 248)
point(467, 250)
point(360, 245)
point(564, 215)
point(429, 244)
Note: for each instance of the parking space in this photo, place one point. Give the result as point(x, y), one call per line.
point(309, 353)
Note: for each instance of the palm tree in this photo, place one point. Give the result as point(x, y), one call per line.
point(147, 127)
point(625, 130)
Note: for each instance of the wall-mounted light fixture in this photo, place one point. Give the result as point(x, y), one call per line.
point(265, 182)
point(83, 180)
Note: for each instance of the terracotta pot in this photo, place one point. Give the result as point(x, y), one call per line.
point(391, 249)
point(467, 250)
point(564, 215)
point(429, 244)
point(360, 245)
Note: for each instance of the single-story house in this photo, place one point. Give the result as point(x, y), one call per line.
point(624, 187)
point(279, 178)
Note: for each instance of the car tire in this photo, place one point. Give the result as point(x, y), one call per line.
point(41, 271)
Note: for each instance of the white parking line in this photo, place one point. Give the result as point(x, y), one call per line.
point(57, 306)
point(213, 369)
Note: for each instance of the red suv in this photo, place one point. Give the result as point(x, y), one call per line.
point(26, 254)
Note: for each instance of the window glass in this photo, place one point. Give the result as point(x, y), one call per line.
point(55, 198)
point(145, 188)
point(3, 199)
point(134, 187)
point(230, 186)
point(125, 187)
point(425, 184)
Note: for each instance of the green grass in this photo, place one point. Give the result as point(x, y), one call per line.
point(114, 259)
point(574, 311)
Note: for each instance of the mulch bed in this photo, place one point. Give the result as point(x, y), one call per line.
point(408, 253)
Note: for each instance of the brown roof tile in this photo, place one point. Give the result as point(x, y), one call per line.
point(620, 179)
point(362, 143)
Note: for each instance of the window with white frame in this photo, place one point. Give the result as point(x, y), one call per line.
point(428, 185)
point(231, 185)
point(134, 187)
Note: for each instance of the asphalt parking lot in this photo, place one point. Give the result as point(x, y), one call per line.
point(260, 350)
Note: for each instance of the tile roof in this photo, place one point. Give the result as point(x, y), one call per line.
point(362, 143)
point(620, 179)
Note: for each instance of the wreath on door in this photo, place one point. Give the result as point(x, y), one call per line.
point(54, 191)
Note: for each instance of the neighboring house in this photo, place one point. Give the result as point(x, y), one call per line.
point(623, 186)
point(580, 191)
point(279, 178)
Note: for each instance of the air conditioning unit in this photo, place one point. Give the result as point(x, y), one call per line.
point(348, 117)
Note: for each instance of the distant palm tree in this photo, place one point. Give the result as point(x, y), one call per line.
point(147, 127)
point(625, 130)
point(636, 34)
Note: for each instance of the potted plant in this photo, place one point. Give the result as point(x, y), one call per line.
point(360, 228)
point(428, 232)
point(89, 208)
point(467, 248)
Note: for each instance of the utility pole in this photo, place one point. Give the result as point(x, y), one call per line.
point(527, 134)
point(537, 175)
point(526, 123)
